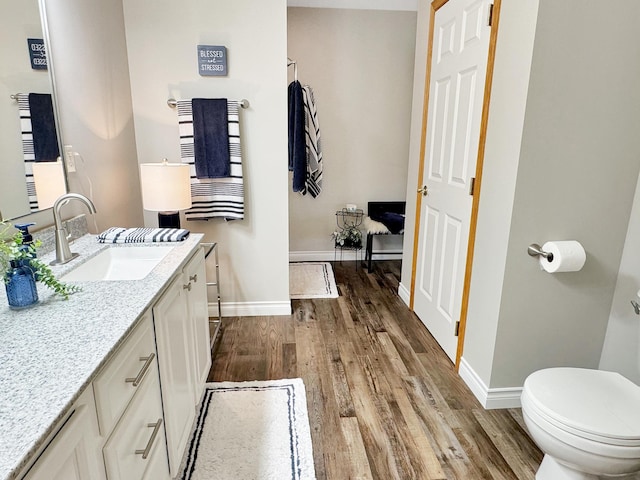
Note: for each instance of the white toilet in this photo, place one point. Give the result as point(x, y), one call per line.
point(586, 422)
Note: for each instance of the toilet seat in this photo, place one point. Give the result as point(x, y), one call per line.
point(596, 405)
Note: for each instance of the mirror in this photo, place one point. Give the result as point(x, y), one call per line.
point(23, 71)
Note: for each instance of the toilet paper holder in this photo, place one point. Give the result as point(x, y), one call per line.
point(536, 250)
point(636, 305)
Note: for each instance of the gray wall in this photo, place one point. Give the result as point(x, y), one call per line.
point(162, 37)
point(576, 180)
point(578, 165)
point(360, 66)
point(621, 351)
point(92, 85)
point(561, 162)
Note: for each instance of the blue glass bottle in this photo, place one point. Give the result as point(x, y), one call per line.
point(21, 286)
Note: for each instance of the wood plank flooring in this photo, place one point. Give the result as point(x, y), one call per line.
point(384, 400)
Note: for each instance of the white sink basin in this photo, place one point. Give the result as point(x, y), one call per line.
point(119, 263)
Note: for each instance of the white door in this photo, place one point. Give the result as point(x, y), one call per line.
point(456, 91)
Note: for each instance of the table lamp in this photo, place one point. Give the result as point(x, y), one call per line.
point(166, 188)
point(48, 178)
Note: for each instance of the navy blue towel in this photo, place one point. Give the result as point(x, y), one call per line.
point(211, 137)
point(43, 126)
point(297, 144)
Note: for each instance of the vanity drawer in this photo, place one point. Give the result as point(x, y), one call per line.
point(125, 373)
point(136, 449)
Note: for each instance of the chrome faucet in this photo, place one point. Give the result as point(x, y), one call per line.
point(63, 253)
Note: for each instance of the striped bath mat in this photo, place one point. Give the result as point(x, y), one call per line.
point(312, 280)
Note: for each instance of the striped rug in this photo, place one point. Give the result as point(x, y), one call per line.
point(312, 280)
point(251, 431)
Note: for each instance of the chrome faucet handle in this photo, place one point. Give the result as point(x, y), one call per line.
point(63, 253)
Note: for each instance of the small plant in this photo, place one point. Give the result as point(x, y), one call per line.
point(349, 236)
point(11, 248)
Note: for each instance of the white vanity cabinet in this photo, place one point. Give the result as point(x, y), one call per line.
point(184, 357)
point(134, 420)
point(73, 451)
point(137, 445)
point(127, 394)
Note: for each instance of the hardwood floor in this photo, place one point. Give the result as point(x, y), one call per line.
point(384, 400)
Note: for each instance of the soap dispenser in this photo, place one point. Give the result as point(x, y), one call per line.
point(21, 286)
point(27, 239)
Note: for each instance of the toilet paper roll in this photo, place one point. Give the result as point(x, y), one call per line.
point(568, 256)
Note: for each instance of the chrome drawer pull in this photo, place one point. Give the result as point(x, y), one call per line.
point(147, 363)
point(156, 428)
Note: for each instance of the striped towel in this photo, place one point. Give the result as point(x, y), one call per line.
point(313, 181)
point(27, 148)
point(142, 235)
point(213, 197)
point(47, 141)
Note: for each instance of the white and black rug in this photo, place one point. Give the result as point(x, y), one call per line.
point(312, 280)
point(251, 431)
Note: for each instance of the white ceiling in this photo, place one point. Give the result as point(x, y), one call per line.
point(410, 5)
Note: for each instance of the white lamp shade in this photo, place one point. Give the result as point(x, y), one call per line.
point(48, 178)
point(165, 186)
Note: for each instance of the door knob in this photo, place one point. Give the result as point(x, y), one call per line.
point(424, 191)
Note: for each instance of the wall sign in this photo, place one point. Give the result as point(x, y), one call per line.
point(37, 53)
point(212, 60)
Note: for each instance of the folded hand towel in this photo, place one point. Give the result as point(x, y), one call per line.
point(142, 235)
point(211, 137)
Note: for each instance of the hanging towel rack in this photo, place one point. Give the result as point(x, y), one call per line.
point(14, 96)
point(295, 67)
point(173, 103)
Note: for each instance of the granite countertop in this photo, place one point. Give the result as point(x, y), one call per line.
point(51, 351)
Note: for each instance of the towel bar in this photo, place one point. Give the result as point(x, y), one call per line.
point(173, 103)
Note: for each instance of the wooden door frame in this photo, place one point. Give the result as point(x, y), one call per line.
point(435, 6)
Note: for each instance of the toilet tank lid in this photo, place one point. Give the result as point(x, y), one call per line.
point(597, 402)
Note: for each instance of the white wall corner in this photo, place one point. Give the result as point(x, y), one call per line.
point(404, 294)
point(489, 398)
point(250, 309)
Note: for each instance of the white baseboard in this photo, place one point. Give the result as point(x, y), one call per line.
point(403, 5)
point(347, 255)
point(250, 309)
point(404, 294)
point(313, 256)
point(490, 398)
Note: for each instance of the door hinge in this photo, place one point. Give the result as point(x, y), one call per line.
point(472, 185)
point(457, 332)
point(490, 20)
